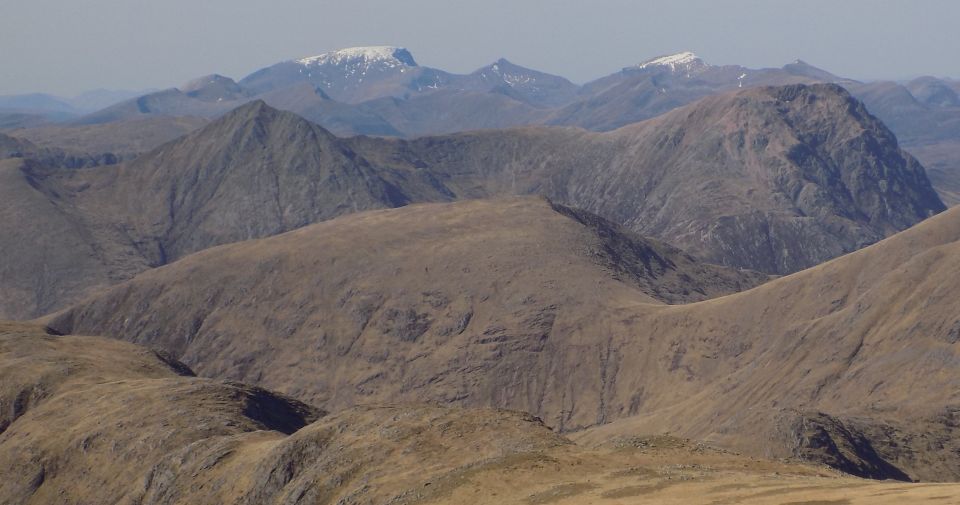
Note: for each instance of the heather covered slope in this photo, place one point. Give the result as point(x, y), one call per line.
point(100, 421)
point(492, 275)
point(419, 304)
point(50, 254)
point(91, 416)
point(253, 173)
point(853, 362)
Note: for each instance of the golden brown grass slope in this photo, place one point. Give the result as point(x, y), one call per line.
point(511, 304)
point(336, 311)
point(85, 417)
point(104, 422)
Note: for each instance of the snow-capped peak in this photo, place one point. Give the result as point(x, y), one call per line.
point(388, 56)
point(680, 61)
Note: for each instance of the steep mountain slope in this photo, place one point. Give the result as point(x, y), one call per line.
point(925, 115)
point(857, 357)
point(558, 260)
point(771, 179)
point(51, 255)
point(488, 304)
point(103, 422)
point(253, 173)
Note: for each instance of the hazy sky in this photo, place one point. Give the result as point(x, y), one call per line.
point(68, 46)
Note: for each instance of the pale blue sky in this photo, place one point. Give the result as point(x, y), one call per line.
point(68, 46)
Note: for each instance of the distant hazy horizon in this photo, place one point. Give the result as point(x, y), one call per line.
point(65, 47)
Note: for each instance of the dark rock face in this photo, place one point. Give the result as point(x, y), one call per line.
point(823, 438)
point(877, 448)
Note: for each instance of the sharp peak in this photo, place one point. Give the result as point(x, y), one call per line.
point(257, 106)
point(254, 110)
point(395, 54)
point(501, 62)
point(258, 112)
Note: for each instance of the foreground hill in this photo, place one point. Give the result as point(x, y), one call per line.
point(497, 304)
point(503, 269)
point(97, 421)
point(769, 179)
point(85, 418)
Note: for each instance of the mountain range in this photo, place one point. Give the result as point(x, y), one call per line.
point(350, 278)
point(383, 91)
point(768, 179)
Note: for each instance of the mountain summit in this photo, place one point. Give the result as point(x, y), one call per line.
point(351, 75)
point(679, 62)
point(364, 57)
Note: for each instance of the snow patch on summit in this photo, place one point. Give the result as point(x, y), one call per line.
point(680, 61)
point(369, 56)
